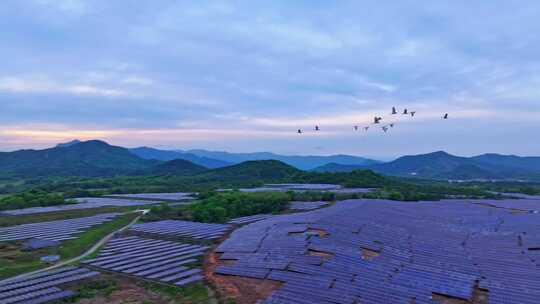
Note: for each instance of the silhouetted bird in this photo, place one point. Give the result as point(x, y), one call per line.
point(377, 120)
point(445, 116)
point(356, 128)
point(405, 112)
point(392, 125)
point(317, 128)
point(299, 131)
point(394, 110)
point(385, 129)
point(412, 113)
point(366, 128)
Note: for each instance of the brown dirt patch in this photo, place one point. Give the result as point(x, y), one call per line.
point(325, 255)
point(518, 211)
point(312, 232)
point(239, 289)
point(320, 232)
point(480, 296)
point(368, 254)
point(126, 292)
point(443, 299)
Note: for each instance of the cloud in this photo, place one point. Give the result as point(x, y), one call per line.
point(45, 85)
point(76, 7)
point(269, 67)
point(138, 80)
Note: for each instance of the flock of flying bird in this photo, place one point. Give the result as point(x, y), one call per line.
point(377, 121)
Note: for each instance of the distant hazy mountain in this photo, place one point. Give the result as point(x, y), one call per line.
point(166, 155)
point(529, 163)
point(178, 167)
point(89, 158)
point(441, 165)
point(300, 162)
point(333, 167)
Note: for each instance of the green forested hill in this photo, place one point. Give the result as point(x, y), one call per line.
point(90, 158)
point(251, 170)
point(177, 167)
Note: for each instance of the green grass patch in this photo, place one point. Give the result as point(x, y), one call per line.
point(101, 287)
point(13, 261)
point(192, 293)
point(9, 268)
point(85, 241)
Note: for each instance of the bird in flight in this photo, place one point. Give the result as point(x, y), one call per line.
point(445, 116)
point(394, 111)
point(392, 125)
point(317, 128)
point(299, 131)
point(377, 120)
point(412, 113)
point(405, 112)
point(385, 129)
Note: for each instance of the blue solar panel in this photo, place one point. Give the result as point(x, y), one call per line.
point(378, 251)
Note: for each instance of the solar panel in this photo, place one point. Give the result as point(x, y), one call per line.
point(379, 251)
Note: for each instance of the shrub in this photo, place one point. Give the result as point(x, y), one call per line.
point(223, 206)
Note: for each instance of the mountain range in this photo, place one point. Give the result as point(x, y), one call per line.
point(441, 165)
point(216, 159)
point(167, 155)
point(97, 158)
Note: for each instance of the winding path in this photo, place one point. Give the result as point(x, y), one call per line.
point(89, 251)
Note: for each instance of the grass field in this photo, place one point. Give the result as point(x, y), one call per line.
point(13, 261)
point(116, 289)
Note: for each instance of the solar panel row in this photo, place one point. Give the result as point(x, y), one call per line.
point(83, 203)
point(182, 229)
point(249, 219)
point(42, 287)
point(54, 230)
point(306, 205)
point(178, 196)
point(159, 260)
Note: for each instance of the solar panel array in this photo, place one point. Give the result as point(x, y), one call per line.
point(164, 261)
point(519, 195)
point(531, 205)
point(305, 188)
point(178, 196)
point(353, 190)
point(83, 203)
point(249, 219)
point(310, 187)
point(182, 229)
point(107, 201)
point(306, 205)
point(377, 251)
point(54, 230)
point(42, 287)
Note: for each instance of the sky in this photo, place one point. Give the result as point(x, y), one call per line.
point(243, 76)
